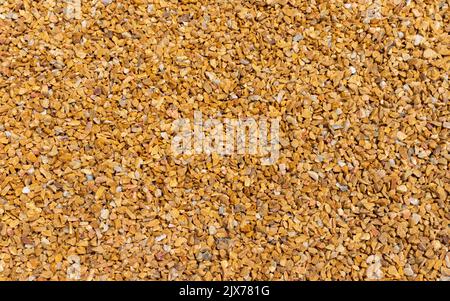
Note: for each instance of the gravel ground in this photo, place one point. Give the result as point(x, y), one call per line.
point(91, 189)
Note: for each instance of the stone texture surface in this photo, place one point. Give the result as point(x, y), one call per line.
point(90, 190)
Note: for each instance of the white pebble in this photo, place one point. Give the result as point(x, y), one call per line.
point(297, 37)
point(160, 237)
point(414, 201)
point(341, 187)
point(282, 168)
point(415, 218)
point(104, 213)
point(418, 39)
point(212, 230)
point(408, 270)
point(164, 135)
point(314, 175)
point(26, 190)
point(341, 163)
point(392, 162)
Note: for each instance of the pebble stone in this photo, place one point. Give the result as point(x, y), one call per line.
point(89, 186)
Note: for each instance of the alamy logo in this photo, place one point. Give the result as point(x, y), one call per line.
point(243, 136)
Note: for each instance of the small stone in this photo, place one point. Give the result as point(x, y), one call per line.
point(160, 237)
point(279, 96)
point(26, 190)
point(341, 187)
point(429, 54)
point(212, 77)
point(45, 103)
point(73, 258)
point(418, 39)
point(374, 271)
point(414, 201)
point(104, 213)
point(314, 175)
point(298, 37)
point(415, 218)
point(401, 135)
point(212, 230)
point(392, 271)
point(408, 271)
point(402, 188)
point(341, 163)
point(441, 193)
point(282, 168)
